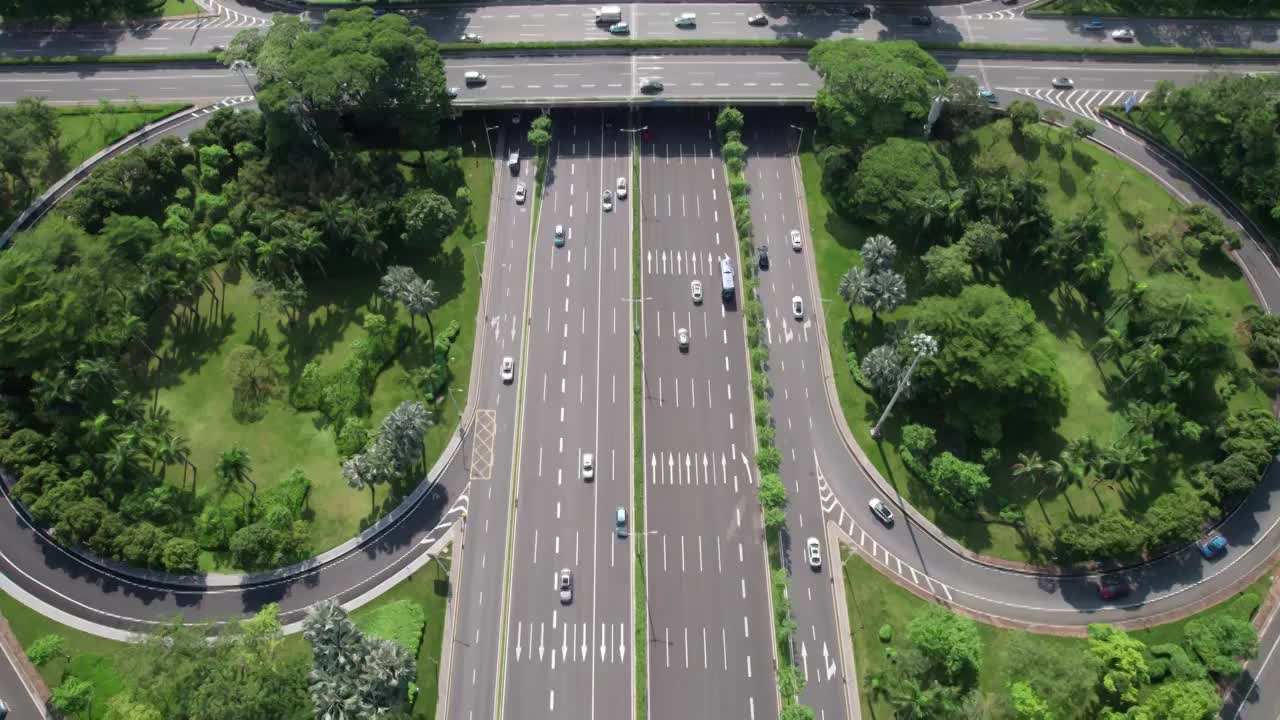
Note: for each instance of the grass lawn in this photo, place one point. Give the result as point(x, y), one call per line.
point(180, 7)
point(95, 659)
point(1087, 176)
point(1163, 8)
point(87, 129)
point(875, 601)
point(194, 388)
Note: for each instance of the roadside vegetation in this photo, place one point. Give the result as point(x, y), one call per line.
point(41, 143)
point(209, 363)
point(917, 659)
point(1090, 397)
point(61, 13)
point(251, 670)
point(1223, 127)
point(1162, 8)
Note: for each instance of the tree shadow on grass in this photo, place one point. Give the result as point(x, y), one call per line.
point(190, 346)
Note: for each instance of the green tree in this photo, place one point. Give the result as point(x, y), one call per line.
point(728, 120)
point(873, 91)
point(772, 493)
point(429, 217)
point(540, 132)
point(1022, 114)
point(948, 268)
point(253, 376)
point(1177, 517)
point(1065, 676)
point(1027, 705)
point(1188, 700)
point(353, 675)
point(30, 150)
point(996, 363)
point(46, 648)
point(961, 484)
point(797, 711)
point(947, 640)
point(354, 74)
point(1123, 663)
point(896, 177)
point(234, 467)
point(853, 287)
point(1221, 641)
point(74, 695)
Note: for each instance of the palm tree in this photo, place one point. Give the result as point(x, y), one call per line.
point(98, 374)
point(234, 467)
point(1126, 460)
point(97, 430)
point(337, 645)
point(1087, 453)
point(878, 253)
point(121, 457)
point(367, 245)
point(886, 290)
point(1030, 466)
point(420, 298)
point(394, 282)
point(853, 287)
point(366, 469)
point(401, 433)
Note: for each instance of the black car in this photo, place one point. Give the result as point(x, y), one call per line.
point(1009, 2)
point(764, 257)
point(921, 19)
point(862, 11)
point(1114, 588)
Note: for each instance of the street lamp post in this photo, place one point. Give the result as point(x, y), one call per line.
point(487, 130)
point(241, 66)
point(800, 142)
point(476, 258)
point(644, 373)
point(644, 568)
point(924, 346)
point(461, 429)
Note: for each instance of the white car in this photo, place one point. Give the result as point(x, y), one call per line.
point(508, 369)
point(682, 338)
point(813, 552)
point(1122, 34)
point(686, 20)
point(796, 242)
point(588, 466)
point(470, 38)
point(622, 188)
point(520, 192)
point(559, 236)
point(881, 510)
point(564, 583)
point(797, 307)
point(1063, 83)
point(606, 200)
point(695, 289)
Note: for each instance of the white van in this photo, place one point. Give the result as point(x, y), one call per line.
point(686, 20)
point(474, 78)
point(608, 14)
point(620, 521)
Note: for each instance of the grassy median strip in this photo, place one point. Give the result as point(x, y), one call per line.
point(1199, 9)
point(637, 414)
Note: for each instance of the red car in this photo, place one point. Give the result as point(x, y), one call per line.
point(1113, 588)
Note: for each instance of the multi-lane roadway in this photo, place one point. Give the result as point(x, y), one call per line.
point(710, 632)
point(569, 653)
point(985, 21)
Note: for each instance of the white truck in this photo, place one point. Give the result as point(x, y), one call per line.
point(609, 14)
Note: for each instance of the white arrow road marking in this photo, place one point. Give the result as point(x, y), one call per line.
point(519, 628)
point(584, 642)
point(564, 642)
point(622, 643)
point(602, 626)
point(831, 667)
point(704, 468)
point(653, 467)
point(649, 260)
point(804, 659)
point(541, 636)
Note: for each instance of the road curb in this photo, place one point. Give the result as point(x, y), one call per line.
point(31, 679)
point(852, 696)
point(451, 625)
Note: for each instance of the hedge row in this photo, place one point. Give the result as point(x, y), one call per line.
point(112, 59)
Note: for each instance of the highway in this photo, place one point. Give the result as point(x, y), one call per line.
point(1247, 700)
point(777, 208)
point(711, 642)
point(471, 689)
point(689, 77)
point(985, 21)
point(572, 657)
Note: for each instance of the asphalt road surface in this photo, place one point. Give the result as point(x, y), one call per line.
point(472, 685)
point(777, 209)
point(572, 656)
point(1254, 702)
point(22, 702)
point(984, 21)
point(710, 643)
point(538, 81)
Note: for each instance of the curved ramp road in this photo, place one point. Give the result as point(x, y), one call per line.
point(984, 21)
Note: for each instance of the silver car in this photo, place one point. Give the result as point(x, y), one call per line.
point(881, 510)
point(682, 339)
point(813, 552)
point(606, 200)
point(622, 188)
point(565, 585)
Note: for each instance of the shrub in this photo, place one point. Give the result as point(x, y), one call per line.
point(353, 436)
point(768, 459)
point(401, 622)
point(957, 482)
point(45, 649)
point(181, 555)
point(886, 633)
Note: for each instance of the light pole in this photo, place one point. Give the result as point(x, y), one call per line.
point(476, 258)
point(924, 346)
point(800, 142)
point(644, 372)
point(487, 130)
point(461, 429)
point(241, 66)
point(644, 568)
